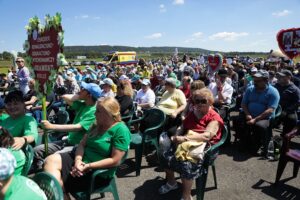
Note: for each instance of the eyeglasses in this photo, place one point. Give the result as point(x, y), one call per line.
point(200, 101)
point(19, 61)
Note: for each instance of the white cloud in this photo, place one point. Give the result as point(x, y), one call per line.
point(82, 17)
point(282, 13)
point(154, 36)
point(227, 36)
point(162, 8)
point(194, 36)
point(197, 35)
point(96, 17)
point(178, 2)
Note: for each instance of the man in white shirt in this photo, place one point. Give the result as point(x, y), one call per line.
point(145, 97)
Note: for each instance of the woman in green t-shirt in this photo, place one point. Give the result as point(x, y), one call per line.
point(103, 146)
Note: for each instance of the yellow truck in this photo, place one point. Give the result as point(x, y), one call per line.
point(120, 58)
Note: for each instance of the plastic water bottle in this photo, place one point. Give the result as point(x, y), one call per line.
point(270, 153)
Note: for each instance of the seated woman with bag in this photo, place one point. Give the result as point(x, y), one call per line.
point(102, 147)
point(201, 125)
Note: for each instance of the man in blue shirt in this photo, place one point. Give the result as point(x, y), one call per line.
point(259, 103)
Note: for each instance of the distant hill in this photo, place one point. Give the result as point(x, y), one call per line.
point(102, 50)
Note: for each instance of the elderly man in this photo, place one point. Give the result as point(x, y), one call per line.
point(23, 75)
point(259, 103)
point(289, 100)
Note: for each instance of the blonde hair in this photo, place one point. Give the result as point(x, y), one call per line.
point(125, 85)
point(204, 92)
point(197, 85)
point(112, 107)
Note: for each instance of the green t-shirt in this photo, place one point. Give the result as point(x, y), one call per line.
point(24, 188)
point(22, 126)
point(3, 116)
point(85, 116)
point(20, 158)
point(99, 147)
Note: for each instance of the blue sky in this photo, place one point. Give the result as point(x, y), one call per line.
point(221, 25)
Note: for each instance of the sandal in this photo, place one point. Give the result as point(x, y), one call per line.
point(167, 188)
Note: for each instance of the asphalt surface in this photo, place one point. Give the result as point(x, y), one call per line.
point(240, 176)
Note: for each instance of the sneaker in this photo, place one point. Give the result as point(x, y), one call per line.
point(167, 188)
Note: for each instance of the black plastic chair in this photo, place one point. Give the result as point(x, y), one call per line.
point(288, 155)
point(209, 159)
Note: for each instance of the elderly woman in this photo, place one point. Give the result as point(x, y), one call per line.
point(172, 103)
point(102, 147)
point(196, 85)
point(205, 125)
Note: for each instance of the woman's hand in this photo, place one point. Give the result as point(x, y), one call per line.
point(19, 143)
point(79, 169)
point(178, 139)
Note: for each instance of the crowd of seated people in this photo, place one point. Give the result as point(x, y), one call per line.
point(193, 98)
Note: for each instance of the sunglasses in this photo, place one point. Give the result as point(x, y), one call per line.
point(200, 101)
point(18, 61)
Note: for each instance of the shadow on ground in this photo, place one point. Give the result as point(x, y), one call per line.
point(280, 191)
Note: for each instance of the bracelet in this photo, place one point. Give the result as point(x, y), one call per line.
point(25, 140)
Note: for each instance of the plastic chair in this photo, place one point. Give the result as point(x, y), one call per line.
point(111, 187)
point(61, 117)
point(151, 124)
point(288, 155)
point(29, 153)
point(209, 158)
point(49, 185)
point(128, 117)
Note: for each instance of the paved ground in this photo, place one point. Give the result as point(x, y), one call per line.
point(240, 176)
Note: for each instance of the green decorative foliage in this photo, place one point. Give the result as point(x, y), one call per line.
point(34, 24)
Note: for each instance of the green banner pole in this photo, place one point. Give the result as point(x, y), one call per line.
point(45, 135)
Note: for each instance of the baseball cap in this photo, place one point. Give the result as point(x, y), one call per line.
point(171, 81)
point(135, 78)
point(222, 72)
point(92, 88)
point(261, 74)
point(145, 82)
point(7, 164)
point(285, 72)
point(253, 69)
point(108, 81)
point(123, 77)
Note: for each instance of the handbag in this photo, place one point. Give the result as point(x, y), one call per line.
point(164, 142)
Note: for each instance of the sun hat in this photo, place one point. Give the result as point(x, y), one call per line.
point(7, 164)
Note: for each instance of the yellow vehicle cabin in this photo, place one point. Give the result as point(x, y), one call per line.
point(120, 58)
